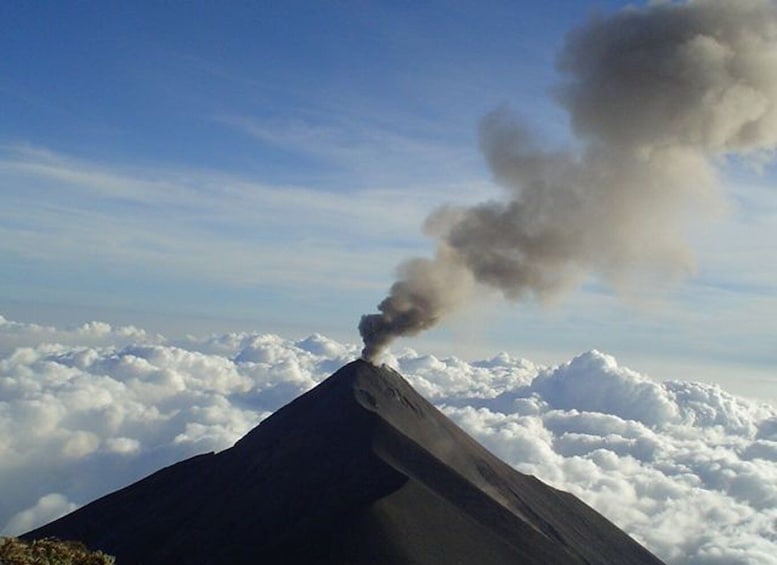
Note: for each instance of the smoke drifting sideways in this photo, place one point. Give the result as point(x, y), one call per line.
point(658, 97)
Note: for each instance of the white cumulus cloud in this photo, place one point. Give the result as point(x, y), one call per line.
point(686, 468)
point(48, 507)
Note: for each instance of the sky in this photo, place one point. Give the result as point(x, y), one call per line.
point(191, 169)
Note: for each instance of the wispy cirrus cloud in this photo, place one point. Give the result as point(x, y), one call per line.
point(179, 227)
point(371, 151)
point(208, 224)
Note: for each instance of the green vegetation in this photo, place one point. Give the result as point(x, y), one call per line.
point(49, 551)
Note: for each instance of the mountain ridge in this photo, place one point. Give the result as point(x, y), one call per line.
point(360, 469)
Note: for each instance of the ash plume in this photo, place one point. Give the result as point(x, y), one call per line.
point(657, 97)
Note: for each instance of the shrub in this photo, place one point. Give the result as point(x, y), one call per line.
point(49, 551)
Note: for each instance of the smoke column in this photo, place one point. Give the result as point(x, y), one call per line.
point(657, 96)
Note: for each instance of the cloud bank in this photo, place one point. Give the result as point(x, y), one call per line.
point(685, 468)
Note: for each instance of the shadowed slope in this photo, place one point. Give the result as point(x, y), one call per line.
point(361, 469)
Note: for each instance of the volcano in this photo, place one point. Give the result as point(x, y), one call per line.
point(359, 470)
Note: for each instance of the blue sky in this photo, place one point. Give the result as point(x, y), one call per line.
point(193, 168)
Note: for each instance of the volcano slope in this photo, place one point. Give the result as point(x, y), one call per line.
point(359, 470)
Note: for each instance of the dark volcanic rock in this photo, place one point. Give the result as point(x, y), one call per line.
point(360, 470)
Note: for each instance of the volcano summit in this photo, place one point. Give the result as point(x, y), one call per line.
point(361, 469)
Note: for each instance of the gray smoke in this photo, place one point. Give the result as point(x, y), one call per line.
point(657, 96)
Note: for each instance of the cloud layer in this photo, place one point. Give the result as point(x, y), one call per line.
point(687, 469)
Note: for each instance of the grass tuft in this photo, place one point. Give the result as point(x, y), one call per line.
point(50, 551)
